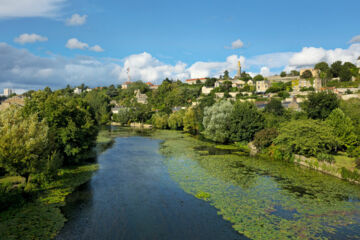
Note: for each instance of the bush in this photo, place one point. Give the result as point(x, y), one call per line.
point(325, 158)
point(160, 120)
point(265, 137)
point(357, 163)
point(122, 117)
point(176, 120)
point(307, 137)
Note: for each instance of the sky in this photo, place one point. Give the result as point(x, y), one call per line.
point(59, 42)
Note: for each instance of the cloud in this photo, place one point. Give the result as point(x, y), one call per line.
point(265, 71)
point(96, 48)
point(309, 56)
point(355, 39)
point(74, 43)
point(271, 60)
point(30, 38)
point(76, 20)
point(210, 69)
point(29, 8)
point(237, 44)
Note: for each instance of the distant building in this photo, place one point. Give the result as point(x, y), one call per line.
point(262, 86)
point(125, 85)
point(250, 83)
point(195, 80)
point(238, 83)
point(206, 90)
point(315, 72)
point(152, 86)
point(77, 91)
point(141, 98)
point(8, 92)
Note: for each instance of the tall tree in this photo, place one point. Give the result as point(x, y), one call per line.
point(320, 105)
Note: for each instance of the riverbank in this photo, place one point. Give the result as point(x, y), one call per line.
point(40, 216)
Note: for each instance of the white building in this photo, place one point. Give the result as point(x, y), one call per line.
point(206, 90)
point(77, 91)
point(8, 92)
point(262, 86)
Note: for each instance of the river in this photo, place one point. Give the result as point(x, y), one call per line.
point(166, 185)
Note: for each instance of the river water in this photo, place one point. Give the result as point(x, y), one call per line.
point(166, 185)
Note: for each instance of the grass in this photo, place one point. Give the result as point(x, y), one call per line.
point(342, 160)
point(42, 218)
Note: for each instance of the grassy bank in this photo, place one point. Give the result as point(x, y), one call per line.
point(42, 218)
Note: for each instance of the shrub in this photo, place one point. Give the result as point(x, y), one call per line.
point(325, 158)
point(357, 163)
point(160, 120)
point(176, 120)
point(265, 137)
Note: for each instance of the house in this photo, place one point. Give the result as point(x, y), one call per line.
point(8, 92)
point(315, 72)
point(219, 95)
point(250, 83)
point(206, 90)
point(195, 80)
point(262, 86)
point(238, 83)
point(125, 85)
point(77, 91)
point(217, 84)
point(141, 98)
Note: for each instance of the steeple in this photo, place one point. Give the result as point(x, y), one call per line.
point(238, 74)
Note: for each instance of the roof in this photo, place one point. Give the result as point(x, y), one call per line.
point(195, 79)
point(149, 84)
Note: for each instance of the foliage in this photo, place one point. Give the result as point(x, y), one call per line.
point(320, 105)
point(160, 120)
point(265, 137)
point(342, 128)
point(226, 75)
point(258, 77)
point(24, 143)
point(176, 120)
point(192, 121)
point(351, 108)
point(307, 137)
point(283, 74)
point(279, 86)
point(325, 157)
point(100, 103)
point(245, 121)
point(306, 74)
point(123, 116)
point(215, 121)
point(294, 73)
point(210, 82)
point(275, 107)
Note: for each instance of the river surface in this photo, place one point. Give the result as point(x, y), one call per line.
point(166, 185)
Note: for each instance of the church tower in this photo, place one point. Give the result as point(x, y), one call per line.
point(238, 74)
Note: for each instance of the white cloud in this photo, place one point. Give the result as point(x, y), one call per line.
point(355, 39)
point(30, 38)
point(74, 43)
point(209, 69)
point(30, 8)
point(96, 48)
point(237, 44)
point(271, 60)
point(309, 56)
point(265, 71)
point(76, 20)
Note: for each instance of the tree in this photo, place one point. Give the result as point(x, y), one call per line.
point(336, 68)
point(122, 117)
point(210, 82)
point(320, 105)
point(100, 103)
point(342, 128)
point(307, 137)
point(294, 73)
point(258, 77)
point(351, 108)
point(245, 121)
point(160, 120)
point(24, 143)
point(275, 107)
point(245, 76)
point(283, 74)
point(345, 74)
point(191, 121)
point(264, 138)
point(307, 74)
point(226, 75)
point(216, 120)
point(322, 66)
point(176, 120)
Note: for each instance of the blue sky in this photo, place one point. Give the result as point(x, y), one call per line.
point(158, 39)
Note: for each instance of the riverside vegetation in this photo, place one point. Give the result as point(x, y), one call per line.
point(48, 147)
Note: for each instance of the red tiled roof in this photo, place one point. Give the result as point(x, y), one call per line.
point(149, 84)
point(195, 79)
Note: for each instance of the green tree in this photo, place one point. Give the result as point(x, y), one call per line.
point(320, 105)
point(307, 74)
point(123, 116)
point(258, 77)
point(192, 121)
point(160, 120)
point(24, 143)
point(283, 74)
point(226, 75)
point(275, 107)
point(295, 73)
point(216, 120)
point(245, 121)
point(100, 103)
point(342, 128)
point(322, 66)
point(264, 138)
point(307, 137)
point(176, 120)
point(336, 68)
point(210, 82)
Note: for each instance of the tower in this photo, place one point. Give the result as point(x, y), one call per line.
point(238, 74)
